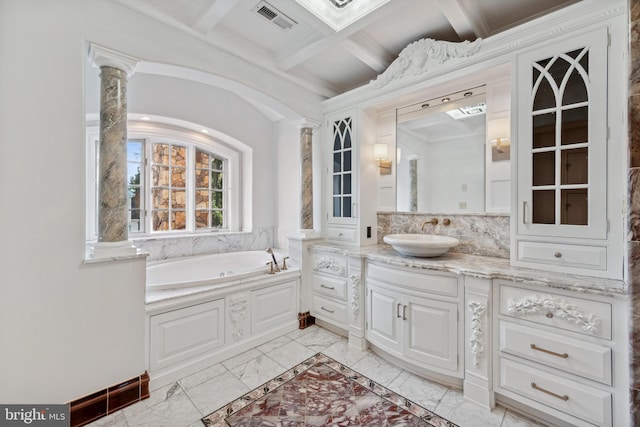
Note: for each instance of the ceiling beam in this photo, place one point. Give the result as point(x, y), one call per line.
point(466, 26)
point(206, 20)
point(368, 51)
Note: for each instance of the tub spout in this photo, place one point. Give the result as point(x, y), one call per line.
point(275, 263)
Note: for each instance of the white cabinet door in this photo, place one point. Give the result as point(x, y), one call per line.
point(273, 306)
point(430, 332)
point(342, 173)
point(384, 314)
point(561, 137)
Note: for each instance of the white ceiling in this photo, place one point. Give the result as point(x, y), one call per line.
point(331, 50)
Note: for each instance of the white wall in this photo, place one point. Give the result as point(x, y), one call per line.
point(67, 328)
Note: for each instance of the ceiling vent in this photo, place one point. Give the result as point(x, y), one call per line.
point(274, 15)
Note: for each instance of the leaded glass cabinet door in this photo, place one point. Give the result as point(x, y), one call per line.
point(342, 170)
point(562, 138)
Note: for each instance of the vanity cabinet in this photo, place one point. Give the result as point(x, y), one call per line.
point(556, 352)
point(329, 284)
point(414, 315)
point(562, 209)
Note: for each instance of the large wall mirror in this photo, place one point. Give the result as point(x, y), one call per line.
point(441, 145)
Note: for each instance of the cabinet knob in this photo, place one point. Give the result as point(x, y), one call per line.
point(557, 255)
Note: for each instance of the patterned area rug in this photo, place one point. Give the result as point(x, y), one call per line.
point(322, 392)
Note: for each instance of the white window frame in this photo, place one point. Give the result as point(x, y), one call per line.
point(236, 211)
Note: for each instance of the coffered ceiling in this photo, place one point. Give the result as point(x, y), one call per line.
point(332, 46)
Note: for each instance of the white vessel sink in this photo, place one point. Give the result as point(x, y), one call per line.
point(420, 245)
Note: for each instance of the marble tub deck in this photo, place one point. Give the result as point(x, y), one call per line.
point(185, 402)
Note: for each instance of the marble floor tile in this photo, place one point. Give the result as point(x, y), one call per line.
point(318, 339)
point(514, 420)
point(455, 408)
point(202, 376)
point(273, 344)
point(177, 411)
point(258, 371)
point(117, 419)
point(377, 369)
point(417, 389)
point(294, 335)
point(157, 396)
point(291, 354)
point(344, 353)
point(214, 393)
point(241, 359)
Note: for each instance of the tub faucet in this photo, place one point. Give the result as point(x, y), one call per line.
point(275, 263)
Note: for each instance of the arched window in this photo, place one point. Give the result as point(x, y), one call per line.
point(179, 181)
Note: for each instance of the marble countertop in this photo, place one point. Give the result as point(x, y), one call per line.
point(482, 267)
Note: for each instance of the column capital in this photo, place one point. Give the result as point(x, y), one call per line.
point(307, 123)
point(104, 57)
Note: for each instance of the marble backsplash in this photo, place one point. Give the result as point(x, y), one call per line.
point(482, 234)
point(214, 243)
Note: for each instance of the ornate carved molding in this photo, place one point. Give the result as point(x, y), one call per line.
point(422, 56)
point(329, 263)
point(554, 307)
point(476, 339)
point(237, 313)
point(355, 294)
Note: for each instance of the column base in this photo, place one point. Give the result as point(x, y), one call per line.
point(112, 250)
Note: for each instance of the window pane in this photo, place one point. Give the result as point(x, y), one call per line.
point(346, 189)
point(336, 207)
point(574, 168)
point(202, 160)
point(544, 96)
point(202, 179)
point(216, 180)
point(544, 130)
point(134, 197)
point(134, 221)
point(178, 220)
point(544, 168)
point(160, 154)
point(217, 197)
point(178, 156)
point(575, 207)
point(575, 126)
point(160, 220)
point(576, 90)
point(336, 185)
point(217, 219)
point(217, 164)
point(178, 199)
point(160, 198)
point(337, 162)
point(347, 161)
point(159, 176)
point(544, 207)
point(178, 177)
point(202, 218)
point(346, 207)
point(202, 199)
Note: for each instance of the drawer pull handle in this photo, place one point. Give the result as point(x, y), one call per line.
point(327, 310)
point(398, 310)
point(557, 255)
point(550, 393)
point(544, 350)
point(404, 312)
point(322, 285)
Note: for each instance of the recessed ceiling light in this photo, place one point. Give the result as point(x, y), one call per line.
point(145, 118)
point(204, 131)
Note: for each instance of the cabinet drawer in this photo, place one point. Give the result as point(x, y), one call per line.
point(591, 257)
point(573, 314)
point(343, 234)
point(574, 398)
point(571, 355)
point(331, 310)
point(330, 286)
point(435, 283)
point(329, 263)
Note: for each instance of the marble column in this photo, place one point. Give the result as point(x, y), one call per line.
point(306, 178)
point(113, 222)
point(634, 207)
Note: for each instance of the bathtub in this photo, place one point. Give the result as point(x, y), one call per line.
point(208, 269)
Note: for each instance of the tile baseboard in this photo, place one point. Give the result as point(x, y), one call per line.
point(109, 400)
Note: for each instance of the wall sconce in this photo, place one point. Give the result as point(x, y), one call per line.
point(381, 154)
point(500, 148)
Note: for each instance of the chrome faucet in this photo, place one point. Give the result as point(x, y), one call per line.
point(275, 263)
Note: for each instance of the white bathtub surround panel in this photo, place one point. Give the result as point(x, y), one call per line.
point(479, 234)
point(213, 243)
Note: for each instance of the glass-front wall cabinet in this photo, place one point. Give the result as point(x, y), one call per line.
point(562, 138)
point(342, 170)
